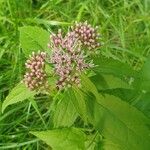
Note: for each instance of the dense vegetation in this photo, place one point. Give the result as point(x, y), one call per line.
point(111, 109)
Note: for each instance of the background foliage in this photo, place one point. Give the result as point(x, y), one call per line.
point(116, 101)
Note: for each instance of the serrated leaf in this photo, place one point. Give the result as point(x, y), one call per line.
point(135, 98)
point(89, 86)
point(113, 67)
point(65, 112)
point(18, 94)
point(119, 122)
point(103, 82)
point(33, 38)
point(63, 139)
point(79, 102)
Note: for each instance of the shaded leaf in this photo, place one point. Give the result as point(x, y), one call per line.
point(113, 67)
point(142, 81)
point(127, 95)
point(135, 98)
point(143, 103)
point(103, 82)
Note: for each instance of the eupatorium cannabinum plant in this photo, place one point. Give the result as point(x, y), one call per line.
point(69, 56)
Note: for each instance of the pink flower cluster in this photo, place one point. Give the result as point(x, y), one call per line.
point(35, 76)
point(68, 59)
point(86, 34)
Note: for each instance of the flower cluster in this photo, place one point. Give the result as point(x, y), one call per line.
point(86, 34)
point(35, 76)
point(68, 59)
point(57, 40)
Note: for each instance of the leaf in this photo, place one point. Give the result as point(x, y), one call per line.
point(33, 38)
point(18, 94)
point(127, 95)
point(115, 82)
point(108, 145)
point(65, 113)
point(143, 104)
point(79, 102)
point(113, 67)
point(89, 86)
point(120, 123)
point(63, 139)
point(135, 98)
point(142, 81)
point(93, 142)
point(99, 81)
point(103, 82)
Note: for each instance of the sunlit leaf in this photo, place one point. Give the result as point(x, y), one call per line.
point(119, 122)
point(33, 38)
point(63, 139)
point(78, 100)
point(18, 94)
point(65, 112)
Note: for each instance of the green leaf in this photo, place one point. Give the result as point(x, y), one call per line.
point(108, 145)
point(65, 113)
point(119, 122)
point(115, 82)
point(89, 86)
point(143, 103)
point(103, 82)
point(142, 81)
point(18, 94)
point(135, 98)
point(33, 38)
point(63, 139)
point(127, 95)
point(79, 102)
point(113, 67)
point(93, 142)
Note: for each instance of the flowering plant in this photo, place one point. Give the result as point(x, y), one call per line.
point(86, 91)
point(69, 57)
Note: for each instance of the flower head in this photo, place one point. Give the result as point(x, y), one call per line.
point(86, 34)
point(68, 59)
point(35, 76)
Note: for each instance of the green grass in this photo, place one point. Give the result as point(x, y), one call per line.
point(125, 32)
